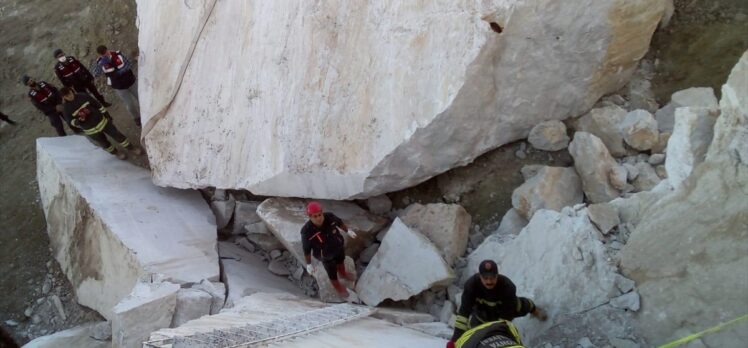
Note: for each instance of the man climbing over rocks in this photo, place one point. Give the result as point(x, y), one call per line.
point(321, 237)
point(487, 297)
point(86, 113)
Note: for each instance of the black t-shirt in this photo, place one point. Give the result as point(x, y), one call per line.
point(323, 242)
point(489, 304)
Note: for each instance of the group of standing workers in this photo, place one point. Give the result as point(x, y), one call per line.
point(80, 105)
point(489, 299)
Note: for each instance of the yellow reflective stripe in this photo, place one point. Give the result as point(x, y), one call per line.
point(110, 148)
point(519, 304)
point(461, 322)
point(99, 127)
point(125, 143)
point(512, 329)
point(488, 303)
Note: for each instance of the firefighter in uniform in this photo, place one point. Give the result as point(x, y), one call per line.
point(322, 237)
point(46, 98)
point(120, 77)
point(487, 297)
point(73, 74)
point(86, 113)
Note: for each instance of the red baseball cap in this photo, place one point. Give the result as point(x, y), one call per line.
point(313, 208)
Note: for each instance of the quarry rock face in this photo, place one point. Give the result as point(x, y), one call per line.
point(365, 87)
point(687, 253)
point(108, 224)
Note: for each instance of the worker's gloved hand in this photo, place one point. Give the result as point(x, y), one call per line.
point(352, 234)
point(451, 344)
point(310, 269)
point(540, 314)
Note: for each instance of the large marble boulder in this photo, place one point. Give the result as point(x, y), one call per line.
point(405, 265)
point(335, 99)
point(108, 225)
point(688, 251)
point(285, 217)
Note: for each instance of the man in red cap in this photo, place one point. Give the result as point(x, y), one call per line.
point(489, 296)
point(321, 236)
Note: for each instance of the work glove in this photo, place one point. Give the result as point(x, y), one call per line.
point(451, 344)
point(349, 232)
point(310, 268)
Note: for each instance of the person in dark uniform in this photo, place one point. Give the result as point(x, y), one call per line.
point(4, 117)
point(46, 98)
point(86, 113)
point(493, 334)
point(321, 237)
point(73, 74)
point(119, 75)
point(489, 296)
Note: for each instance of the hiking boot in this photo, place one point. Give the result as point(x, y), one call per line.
point(106, 105)
point(340, 289)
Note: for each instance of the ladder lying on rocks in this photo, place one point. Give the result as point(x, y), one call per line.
point(263, 333)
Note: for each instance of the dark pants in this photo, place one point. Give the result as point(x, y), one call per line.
point(112, 132)
point(56, 119)
point(90, 88)
point(332, 264)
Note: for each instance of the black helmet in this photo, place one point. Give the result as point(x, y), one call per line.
point(25, 79)
point(58, 52)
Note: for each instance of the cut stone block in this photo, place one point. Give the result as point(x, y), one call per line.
point(245, 273)
point(191, 304)
point(405, 265)
point(285, 217)
point(78, 337)
point(245, 214)
point(108, 225)
point(148, 308)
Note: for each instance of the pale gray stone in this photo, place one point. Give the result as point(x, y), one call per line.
point(446, 312)
point(530, 170)
point(511, 223)
point(368, 253)
point(223, 210)
point(593, 163)
point(618, 176)
point(149, 307)
point(445, 225)
point(402, 316)
point(604, 216)
point(191, 304)
point(628, 301)
point(551, 188)
point(245, 214)
point(83, 336)
point(549, 136)
point(688, 145)
point(604, 123)
point(702, 97)
point(639, 130)
point(647, 178)
point(277, 267)
point(217, 292)
point(379, 204)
